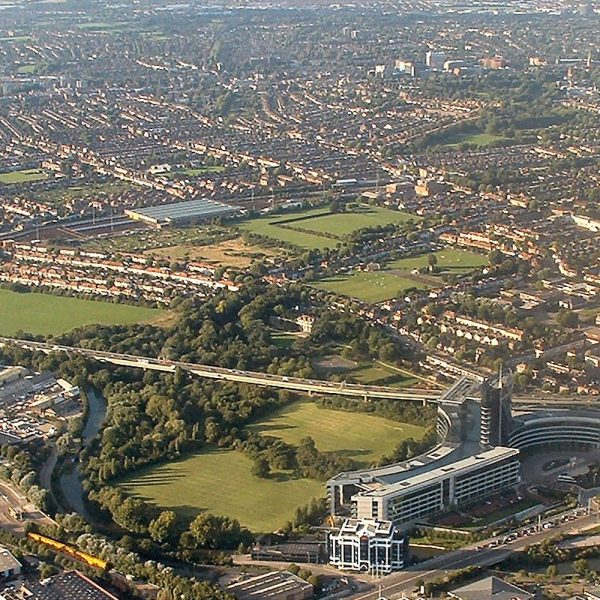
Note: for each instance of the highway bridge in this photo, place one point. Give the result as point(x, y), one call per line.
point(294, 384)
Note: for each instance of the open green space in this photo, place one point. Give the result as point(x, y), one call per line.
point(202, 170)
point(343, 224)
point(26, 69)
point(369, 286)
point(451, 259)
point(283, 339)
point(45, 314)
point(319, 228)
point(268, 227)
point(16, 38)
point(24, 176)
point(221, 482)
point(102, 26)
point(377, 374)
point(59, 195)
point(363, 438)
point(378, 286)
point(481, 140)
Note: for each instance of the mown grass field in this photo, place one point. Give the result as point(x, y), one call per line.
point(373, 286)
point(268, 227)
point(22, 176)
point(202, 170)
point(451, 259)
point(377, 286)
point(361, 437)
point(481, 140)
point(44, 314)
point(321, 228)
point(221, 481)
point(343, 224)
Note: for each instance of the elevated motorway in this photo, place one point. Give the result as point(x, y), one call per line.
point(296, 384)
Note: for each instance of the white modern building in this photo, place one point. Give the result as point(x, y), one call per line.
point(368, 545)
point(421, 493)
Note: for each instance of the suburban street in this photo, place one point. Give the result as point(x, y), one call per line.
point(396, 584)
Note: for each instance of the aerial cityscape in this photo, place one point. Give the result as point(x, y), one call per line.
point(299, 299)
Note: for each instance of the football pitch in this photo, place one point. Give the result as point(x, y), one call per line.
point(45, 314)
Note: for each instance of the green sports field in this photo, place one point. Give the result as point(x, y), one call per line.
point(396, 278)
point(451, 259)
point(44, 314)
point(373, 286)
point(25, 176)
point(363, 438)
point(320, 228)
point(221, 481)
point(481, 140)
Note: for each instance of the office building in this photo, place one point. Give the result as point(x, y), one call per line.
point(368, 545)
point(417, 494)
point(435, 60)
point(496, 411)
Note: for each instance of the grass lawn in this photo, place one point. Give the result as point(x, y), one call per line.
point(379, 375)
point(221, 482)
point(202, 170)
point(320, 223)
point(26, 69)
point(16, 38)
point(61, 195)
point(267, 226)
point(359, 436)
point(22, 176)
point(480, 140)
point(452, 259)
point(372, 286)
point(44, 314)
point(343, 224)
point(283, 339)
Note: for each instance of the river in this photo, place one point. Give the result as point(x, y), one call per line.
point(71, 482)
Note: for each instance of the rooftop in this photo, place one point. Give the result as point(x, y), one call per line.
point(184, 210)
point(7, 561)
point(274, 585)
point(491, 588)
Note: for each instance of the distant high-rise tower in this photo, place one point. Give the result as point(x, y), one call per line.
point(496, 411)
point(435, 60)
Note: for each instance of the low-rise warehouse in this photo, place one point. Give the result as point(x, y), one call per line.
point(178, 213)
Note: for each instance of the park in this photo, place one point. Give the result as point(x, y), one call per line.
point(317, 229)
point(196, 483)
point(46, 314)
point(399, 276)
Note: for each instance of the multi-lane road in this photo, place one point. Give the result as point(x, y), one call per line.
point(481, 554)
point(298, 384)
point(295, 384)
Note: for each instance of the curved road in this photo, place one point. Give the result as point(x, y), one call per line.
point(295, 384)
point(240, 376)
